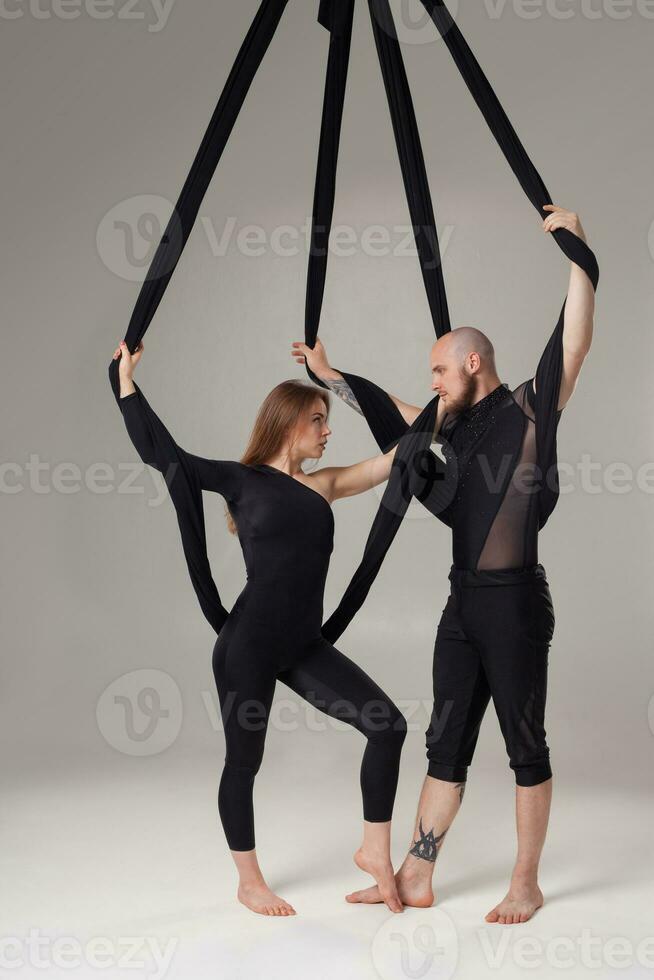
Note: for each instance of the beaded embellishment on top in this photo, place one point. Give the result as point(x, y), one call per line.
point(469, 424)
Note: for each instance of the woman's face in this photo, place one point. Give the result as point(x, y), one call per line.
point(310, 435)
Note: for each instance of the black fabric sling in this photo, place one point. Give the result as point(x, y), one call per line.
point(416, 471)
point(378, 408)
point(184, 489)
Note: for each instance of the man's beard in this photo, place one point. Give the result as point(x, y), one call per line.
point(467, 397)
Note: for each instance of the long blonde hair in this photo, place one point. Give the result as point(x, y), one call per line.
point(278, 415)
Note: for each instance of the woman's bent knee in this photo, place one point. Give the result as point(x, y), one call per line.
point(393, 730)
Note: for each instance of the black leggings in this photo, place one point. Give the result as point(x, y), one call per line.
point(246, 673)
point(492, 641)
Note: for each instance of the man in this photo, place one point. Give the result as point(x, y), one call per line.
point(494, 634)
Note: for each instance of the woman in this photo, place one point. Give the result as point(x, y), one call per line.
point(285, 525)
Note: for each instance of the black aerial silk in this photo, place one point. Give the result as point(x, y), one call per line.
point(416, 471)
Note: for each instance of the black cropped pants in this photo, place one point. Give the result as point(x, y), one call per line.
point(492, 641)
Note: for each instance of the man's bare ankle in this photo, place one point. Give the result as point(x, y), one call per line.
point(415, 868)
point(525, 875)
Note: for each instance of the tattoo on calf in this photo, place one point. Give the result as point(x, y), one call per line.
point(427, 846)
point(344, 392)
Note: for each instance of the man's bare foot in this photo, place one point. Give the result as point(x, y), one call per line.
point(381, 869)
point(519, 904)
point(259, 898)
point(414, 890)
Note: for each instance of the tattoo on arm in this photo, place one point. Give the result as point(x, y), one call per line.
point(427, 846)
point(341, 388)
point(461, 788)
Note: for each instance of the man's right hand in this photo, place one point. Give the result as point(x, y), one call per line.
point(316, 359)
point(126, 366)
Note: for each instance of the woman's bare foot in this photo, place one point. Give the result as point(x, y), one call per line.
point(381, 869)
point(413, 889)
point(259, 898)
point(253, 892)
point(519, 904)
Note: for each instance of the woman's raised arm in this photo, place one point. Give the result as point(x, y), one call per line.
point(221, 476)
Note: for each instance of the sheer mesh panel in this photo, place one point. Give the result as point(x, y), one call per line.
point(512, 540)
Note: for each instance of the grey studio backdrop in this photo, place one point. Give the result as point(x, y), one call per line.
point(100, 121)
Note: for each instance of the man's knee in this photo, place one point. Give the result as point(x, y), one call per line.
point(449, 758)
point(533, 772)
point(448, 773)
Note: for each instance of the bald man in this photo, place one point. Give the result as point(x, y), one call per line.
point(494, 634)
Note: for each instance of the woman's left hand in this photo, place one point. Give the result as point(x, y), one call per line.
point(127, 361)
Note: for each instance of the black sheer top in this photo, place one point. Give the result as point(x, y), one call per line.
point(494, 511)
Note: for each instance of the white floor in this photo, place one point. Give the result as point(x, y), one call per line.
point(125, 873)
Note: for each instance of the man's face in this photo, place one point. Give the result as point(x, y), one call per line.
point(450, 379)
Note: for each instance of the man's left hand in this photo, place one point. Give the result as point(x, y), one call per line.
point(561, 218)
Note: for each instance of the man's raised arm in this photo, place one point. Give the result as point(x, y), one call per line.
point(319, 364)
point(579, 307)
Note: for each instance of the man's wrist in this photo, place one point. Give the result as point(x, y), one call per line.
point(329, 374)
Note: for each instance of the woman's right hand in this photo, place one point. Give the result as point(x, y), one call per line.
point(126, 366)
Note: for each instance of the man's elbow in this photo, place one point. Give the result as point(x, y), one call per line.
point(577, 347)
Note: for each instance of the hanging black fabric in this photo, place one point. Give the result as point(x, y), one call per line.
point(184, 489)
point(413, 456)
point(386, 423)
point(375, 403)
point(338, 19)
point(380, 411)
